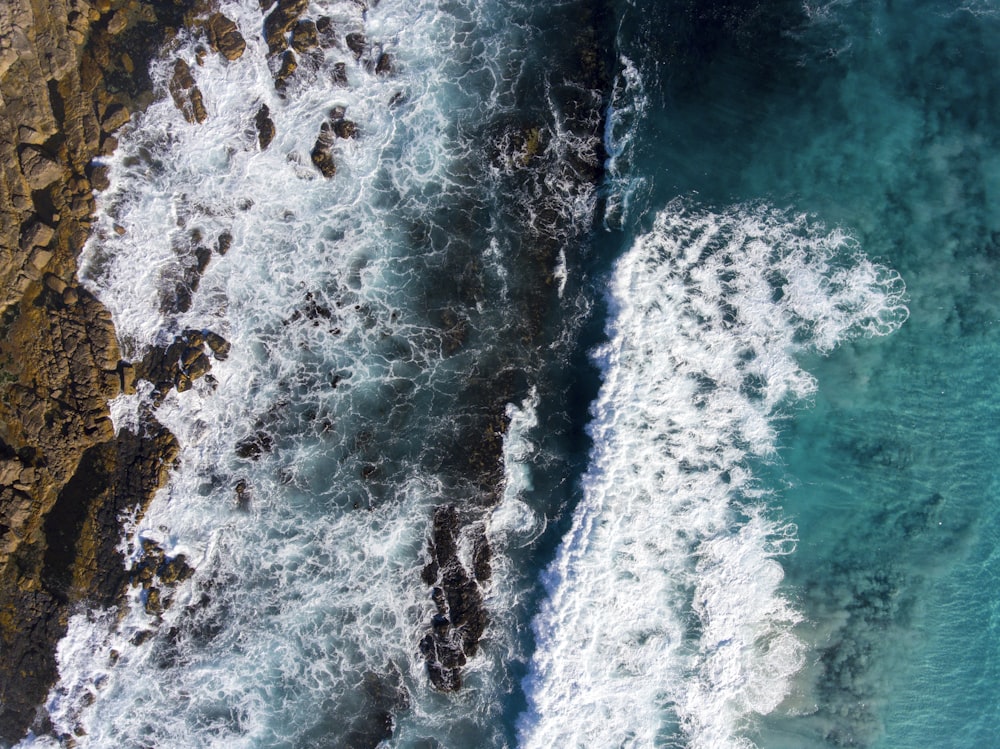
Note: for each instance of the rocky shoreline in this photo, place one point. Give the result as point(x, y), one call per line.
point(71, 73)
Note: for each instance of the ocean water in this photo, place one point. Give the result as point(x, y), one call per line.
point(688, 309)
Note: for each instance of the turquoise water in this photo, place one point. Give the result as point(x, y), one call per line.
point(881, 118)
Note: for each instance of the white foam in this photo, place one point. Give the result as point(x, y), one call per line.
point(623, 124)
point(665, 616)
point(306, 593)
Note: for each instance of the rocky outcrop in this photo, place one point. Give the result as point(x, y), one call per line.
point(265, 127)
point(186, 94)
point(461, 617)
point(334, 126)
point(280, 21)
point(71, 73)
point(225, 37)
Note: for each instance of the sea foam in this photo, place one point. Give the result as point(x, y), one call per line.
point(666, 623)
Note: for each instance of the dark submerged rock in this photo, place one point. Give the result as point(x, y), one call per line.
point(339, 74)
point(461, 618)
point(357, 43)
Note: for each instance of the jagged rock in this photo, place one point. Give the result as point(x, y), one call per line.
point(265, 127)
point(339, 74)
point(321, 155)
point(254, 446)
point(460, 619)
point(304, 36)
point(384, 65)
point(219, 345)
point(37, 234)
point(357, 43)
point(225, 37)
point(66, 477)
point(39, 168)
point(280, 21)
point(345, 129)
point(326, 31)
point(115, 116)
point(186, 94)
point(223, 243)
point(288, 66)
point(182, 362)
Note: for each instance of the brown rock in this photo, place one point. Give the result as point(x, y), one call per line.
point(118, 22)
point(322, 157)
point(288, 66)
point(115, 116)
point(39, 168)
point(186, 95)
point(280, 21)
point(304, 36)
point(225, 37)
point(37, 234)
point(220, 346)
point(345, 129)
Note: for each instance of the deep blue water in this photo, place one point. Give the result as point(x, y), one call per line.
point(747, 498)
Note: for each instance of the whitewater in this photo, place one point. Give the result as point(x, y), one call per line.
point(665, 613)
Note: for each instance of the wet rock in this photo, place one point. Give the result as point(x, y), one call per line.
point(280, 21)
point(64, 84)
point(288, 66)
point(220, 346)
point(384, 64)
point(460, 619)
point(357, 43)
point(243, 495)
point(225, 37)
point(345, 129)
point(182, 362)
point(322, 157)
point(98, 174)
point(224, 242)
point(326, 31)
point(254, 446)
point(265, 127)
point(339, 74)
point(187, 97)
point(304, 36)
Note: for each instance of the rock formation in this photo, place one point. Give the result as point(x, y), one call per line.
point(71, 73)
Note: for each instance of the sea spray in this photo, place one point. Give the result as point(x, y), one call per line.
point(666, 621)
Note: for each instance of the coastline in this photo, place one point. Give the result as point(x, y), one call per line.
point(71, 74)
point(69, 80)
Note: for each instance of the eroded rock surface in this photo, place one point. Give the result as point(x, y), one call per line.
point(71, 73)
